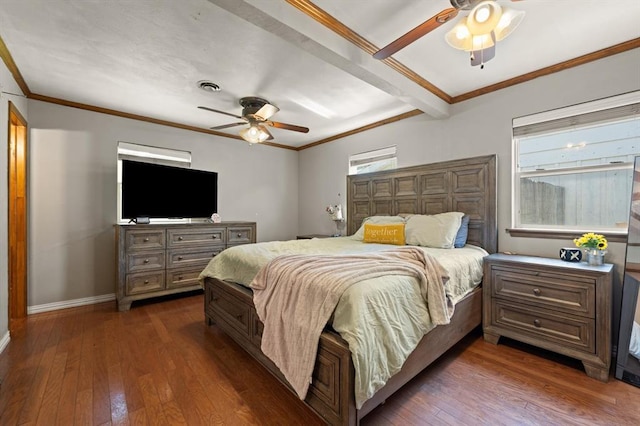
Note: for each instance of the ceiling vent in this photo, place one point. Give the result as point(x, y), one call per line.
point(208, 86)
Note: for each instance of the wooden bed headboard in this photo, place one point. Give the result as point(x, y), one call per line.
point(467, 185)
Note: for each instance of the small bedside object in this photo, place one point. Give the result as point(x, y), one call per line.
point(571, 254)
point(310, 236)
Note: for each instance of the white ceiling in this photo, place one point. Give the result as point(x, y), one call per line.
point(145, 57)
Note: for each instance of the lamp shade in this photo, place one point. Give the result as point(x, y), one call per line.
point(461, 38)
point(484, 18)
point(509, 21)
point(254, 134)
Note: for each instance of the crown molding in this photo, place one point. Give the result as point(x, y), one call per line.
point(13, 68)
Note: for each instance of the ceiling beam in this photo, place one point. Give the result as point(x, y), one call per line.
point(337, 49)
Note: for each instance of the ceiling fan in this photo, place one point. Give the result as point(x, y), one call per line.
point(487, 23)
point(256, 112)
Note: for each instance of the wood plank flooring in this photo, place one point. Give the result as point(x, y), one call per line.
point(159, 365)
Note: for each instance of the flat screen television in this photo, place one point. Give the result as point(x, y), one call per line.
point(165, 192)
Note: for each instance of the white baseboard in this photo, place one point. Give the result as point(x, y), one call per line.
point(4, 341)
point(36, 309)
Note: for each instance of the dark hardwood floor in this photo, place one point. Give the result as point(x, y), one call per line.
point(159, 364)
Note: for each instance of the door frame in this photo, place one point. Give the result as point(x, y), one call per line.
point(17, 216)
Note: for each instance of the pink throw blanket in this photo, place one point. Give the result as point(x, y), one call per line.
point(295, 296)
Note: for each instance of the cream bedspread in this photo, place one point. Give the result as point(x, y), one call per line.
point(382, 319)
point(295, 295)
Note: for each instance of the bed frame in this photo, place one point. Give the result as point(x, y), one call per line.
point(467, 185)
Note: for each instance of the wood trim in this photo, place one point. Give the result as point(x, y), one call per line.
point(321, 16)
point(389, 120)
point(580, 60)
point(117, 113)
point(562, 235)
point(17, 215)
point(13, 68)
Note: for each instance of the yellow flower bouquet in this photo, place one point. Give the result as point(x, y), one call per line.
point(591, 241)
point(595, 246)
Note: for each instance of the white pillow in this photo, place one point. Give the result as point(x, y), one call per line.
point(376, 220)
point(438, 230)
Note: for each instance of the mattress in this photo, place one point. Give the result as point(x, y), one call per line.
point(382, 320)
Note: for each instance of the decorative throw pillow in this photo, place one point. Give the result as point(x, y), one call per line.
point(376, 220)
point(463, 232)
point(384, 234)
point(438, 230)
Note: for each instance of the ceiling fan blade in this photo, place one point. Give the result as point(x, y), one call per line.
point(266, 111)
point(419, 31)
point(286, 126)
point(220, 112)
point(225, 126)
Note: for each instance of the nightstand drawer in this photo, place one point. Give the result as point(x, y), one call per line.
point(554, 291)
point(571, 332)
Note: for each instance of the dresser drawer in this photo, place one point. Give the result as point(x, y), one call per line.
point(189, 237)
point(144, 282)
point(546, 326)
point(554, 291)
point(231, 310)
point(144, 261)
point(239, 234)
point(140, 239)
point(183, 277)
point(192, 258)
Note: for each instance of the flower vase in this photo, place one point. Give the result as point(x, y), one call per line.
point(595, 257)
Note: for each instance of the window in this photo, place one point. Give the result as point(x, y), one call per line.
point(148, 154)
point(373, 161)
point(574, 167)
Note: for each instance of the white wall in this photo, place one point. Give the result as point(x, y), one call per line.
point(73, 193)
point(476, 127)
point(479, 126)
point(9, 91)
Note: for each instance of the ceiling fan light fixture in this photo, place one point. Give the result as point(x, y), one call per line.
point(255, 133)
point(484, 18)
point(509, 21)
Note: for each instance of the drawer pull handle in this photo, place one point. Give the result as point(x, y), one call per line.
point(537, 322)
point(215, 237)
point(146, 261)
point(536, 273)
point(537, 291)
point(239, 235)
point(239, 316)
point(180, 278)
point(213, 254)
point(146, 281)
point(146, 240)
point(179, 257)
point(180, 238)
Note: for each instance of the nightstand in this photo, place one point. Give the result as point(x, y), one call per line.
point(560, 306)
point(310, 236)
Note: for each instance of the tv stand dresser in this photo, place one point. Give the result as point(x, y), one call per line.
point(161, 259)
